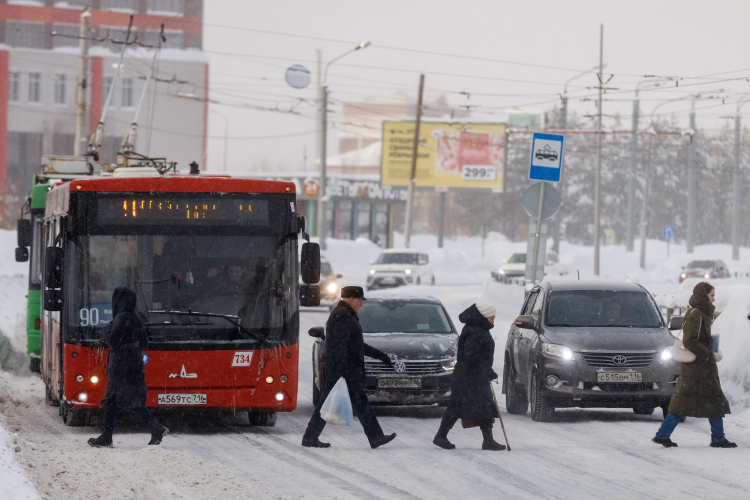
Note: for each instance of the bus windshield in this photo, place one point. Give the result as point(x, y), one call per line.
point(190, 288)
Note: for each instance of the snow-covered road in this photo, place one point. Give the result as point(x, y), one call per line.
point(583, 453)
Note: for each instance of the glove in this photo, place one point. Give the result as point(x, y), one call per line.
point(718, 356)
point(493, 375)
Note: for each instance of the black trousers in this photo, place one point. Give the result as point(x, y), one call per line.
point(360, 406)
point(451, 416)
point(110, 415)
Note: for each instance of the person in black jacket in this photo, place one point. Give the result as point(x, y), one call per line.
point(471, 394)
point(126, 380)
point(345, 357)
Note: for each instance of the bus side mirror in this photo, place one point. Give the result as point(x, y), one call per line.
point(53, 262)
point(23, 229)
point(309, 295)
point(310, 262)
point(53, 300)
point(22, 254)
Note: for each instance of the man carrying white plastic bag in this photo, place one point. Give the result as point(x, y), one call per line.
point(337, 408)
point(345, 364)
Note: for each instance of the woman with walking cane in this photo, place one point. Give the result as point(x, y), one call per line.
point(471, 394)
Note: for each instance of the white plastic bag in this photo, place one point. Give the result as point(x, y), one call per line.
point(337, 408)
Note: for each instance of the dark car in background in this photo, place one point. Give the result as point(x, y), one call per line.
point(417, 334)
point(588, 344)
point(705, 269)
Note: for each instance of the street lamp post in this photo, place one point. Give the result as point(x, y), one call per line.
point(226, 138)
point(323, 144)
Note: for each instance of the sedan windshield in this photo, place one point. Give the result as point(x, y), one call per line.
point(517, 258)
point(397, 258)
point(597, 308)
point(398, 316)
point(701, 264)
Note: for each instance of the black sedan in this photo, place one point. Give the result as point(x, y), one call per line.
point(588, 344)
point(417, 334)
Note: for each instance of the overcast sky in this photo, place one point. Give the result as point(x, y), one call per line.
point(504, 54)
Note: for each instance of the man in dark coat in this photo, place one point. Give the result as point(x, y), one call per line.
point(345, 357)
point(698, 391)
point(126, 380)
point(471, 394)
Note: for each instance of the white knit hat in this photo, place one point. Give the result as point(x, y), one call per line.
point(485, 308)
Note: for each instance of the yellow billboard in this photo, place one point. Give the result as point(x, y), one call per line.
point(453, 155)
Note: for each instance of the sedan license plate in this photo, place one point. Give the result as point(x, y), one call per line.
point(619, 377)
point(388, 281)
point(399, 383)
point(182, 399)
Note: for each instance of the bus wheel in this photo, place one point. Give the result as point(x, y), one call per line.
point(75, 418)
point(262, 418)
point(35, 364)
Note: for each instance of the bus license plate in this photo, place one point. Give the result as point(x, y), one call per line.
point(182, 399)
point(619, 377)
point(399, 383)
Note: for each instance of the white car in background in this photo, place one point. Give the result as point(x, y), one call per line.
point(398, 268)
point(515, 267)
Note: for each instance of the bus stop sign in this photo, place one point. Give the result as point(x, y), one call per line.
point(546, 157)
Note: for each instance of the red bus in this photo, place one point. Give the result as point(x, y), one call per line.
point(213, 262)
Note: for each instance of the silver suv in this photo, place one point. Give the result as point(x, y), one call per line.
point(588, 344)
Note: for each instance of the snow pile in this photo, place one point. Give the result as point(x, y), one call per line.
point(14, 483)
point(733, 327)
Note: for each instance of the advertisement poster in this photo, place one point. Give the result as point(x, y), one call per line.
point(453, 155)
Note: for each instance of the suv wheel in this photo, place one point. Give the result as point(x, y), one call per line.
point(516, 401)
point(643, 410)
point(541, 410)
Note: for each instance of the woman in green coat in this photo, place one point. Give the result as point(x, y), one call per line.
point(698, 391)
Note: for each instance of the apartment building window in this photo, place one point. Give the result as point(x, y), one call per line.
point(61, 89)
point(35, 87)
point(27, 35)
point(165, 6)
point(14, 86)
point(120, 5)
point(127, 93)
point(107, 82)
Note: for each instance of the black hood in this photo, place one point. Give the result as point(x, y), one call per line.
point(472, 316)
point(123, 300)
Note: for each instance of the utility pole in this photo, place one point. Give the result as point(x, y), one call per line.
point(321, 123)
point(597, 180)
point(413, 176)
point(83, 67)
point(736, 208)
point(630, 235)
point(691, 182)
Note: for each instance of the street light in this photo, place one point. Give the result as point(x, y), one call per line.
point(226, 136)
point(323, 144)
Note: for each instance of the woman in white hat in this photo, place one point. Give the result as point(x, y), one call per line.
point(471, 395)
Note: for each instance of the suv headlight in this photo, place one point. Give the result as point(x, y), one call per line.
point(448, 365)
point(332, 287)
point(407, 271)
point(372, 271)
point(560, 351)
point(666, 354)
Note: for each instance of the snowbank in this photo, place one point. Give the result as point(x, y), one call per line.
point(14, 483)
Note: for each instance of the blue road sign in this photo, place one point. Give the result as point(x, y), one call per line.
point(546, 157)
point(668, 232)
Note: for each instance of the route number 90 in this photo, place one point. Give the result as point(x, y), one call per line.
point(89, 317)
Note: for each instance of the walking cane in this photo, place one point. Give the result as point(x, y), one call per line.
point(497, 407)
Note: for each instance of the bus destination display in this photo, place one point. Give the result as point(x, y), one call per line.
point(187, 211)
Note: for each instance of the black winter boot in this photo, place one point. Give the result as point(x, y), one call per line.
point(667, 443)
point(441, 438)
point(489, 442)
point(103, 441)
point(158, 431)
point(723, 444)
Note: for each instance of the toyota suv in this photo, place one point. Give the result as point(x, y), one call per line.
point(588, 344)
point(398, 268)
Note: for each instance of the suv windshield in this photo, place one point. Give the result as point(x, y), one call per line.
point(597, 308)
point(517, 258)
point(398, 316)
point(397, 258)
point(701, 264)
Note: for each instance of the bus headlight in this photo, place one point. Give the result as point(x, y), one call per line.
point(279, 396)
point(94, 379)
point(83, 397)
point(269, 379)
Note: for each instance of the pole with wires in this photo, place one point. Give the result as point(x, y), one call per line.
point(83, 68)
point(413, 176)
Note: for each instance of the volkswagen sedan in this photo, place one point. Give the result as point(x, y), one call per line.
point(417, 334)
point(588, 344)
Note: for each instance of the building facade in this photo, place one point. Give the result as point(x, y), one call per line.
point(39, 59)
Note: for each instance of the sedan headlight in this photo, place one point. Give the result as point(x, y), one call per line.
point(560, 351)
point(407, 271)
point(332, 287)
point(683, 275)
point(448, 365)
point(372, 271)
point(666, 354)
point(706, 275)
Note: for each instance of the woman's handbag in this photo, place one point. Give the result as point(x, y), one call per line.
point(680, 353)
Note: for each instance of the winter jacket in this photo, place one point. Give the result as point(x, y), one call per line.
point(471, 396)
point(698, 392)
point(126, 338)
point(345, 348)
